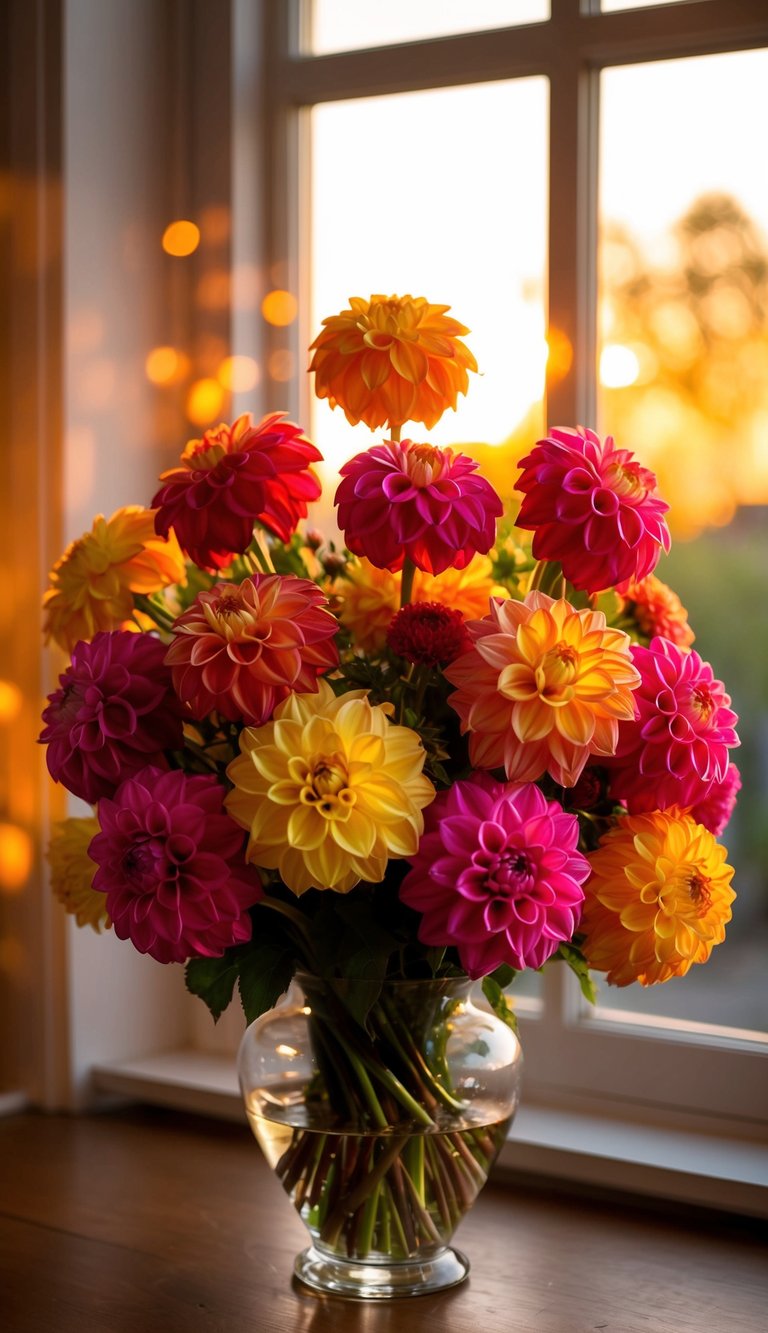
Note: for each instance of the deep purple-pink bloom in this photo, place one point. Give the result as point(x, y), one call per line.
point(403, 499)
point(593, 508)
point(676, 749)
point(715, 809)
point(115, 712)
point(498, 874)
point(171, 863)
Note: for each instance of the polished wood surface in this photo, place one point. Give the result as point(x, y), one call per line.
point(142, 1220)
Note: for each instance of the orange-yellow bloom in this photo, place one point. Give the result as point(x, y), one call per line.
point(658, 898)
point(542, 688)
point(657, 610)
point(72, 872)
point(390, 360)
point(93, 583)
point(367, 598)
point(329, 790)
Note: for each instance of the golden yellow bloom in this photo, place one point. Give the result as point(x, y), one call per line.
point(658, 899)
point(329, 790)
point(72, 872)
point(367, 597)
point(93, 582)
point(543, 688)
point(390, 360)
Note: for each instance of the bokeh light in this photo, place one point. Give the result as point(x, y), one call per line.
point(281, 365)
point(15, 857)
point(279, 308)
point(205, 401)
point(619, 366)
point(166, 365)
point(238, 374)
point(559, 355)
point(11, 700)
point(181, 238)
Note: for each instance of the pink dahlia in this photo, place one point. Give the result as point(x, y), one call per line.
point(115, 712)
point(401, 499)
point(242, 648)
point(171, 864)
point(498, 874)
point(715, 809)
point(234, 477)
point(676, 749)
point(593, 508)
point(428, 634)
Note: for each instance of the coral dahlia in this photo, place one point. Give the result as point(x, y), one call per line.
point(428, 634)
point(498, 874)
point(329, 790)
point(658, 898)
point(170, 863)
point(676, 747)
point(593, 508)
point(241, 648)
point(403, 499)
point(232, 478)
point(390, 360)
point(657, 610)
point(114, 713)
point(543, 688)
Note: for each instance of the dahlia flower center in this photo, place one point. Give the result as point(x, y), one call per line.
point(425, 463)
point(507, 874)
point(233, 619)
point(700, 893)
point(205, 457)
point(702, 701)
point(140, 864)
point(556, 673)
point(628, 480)
point(325, 786)
point(685, 893)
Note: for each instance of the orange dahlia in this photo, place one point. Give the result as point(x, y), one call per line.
point(391, 359)
point(542, 688)
point(93, 583)
point(658, 898)
point(657, 610)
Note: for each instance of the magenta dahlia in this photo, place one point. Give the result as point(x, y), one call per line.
point(114, 713)
point(593, 508)
point(428, 634)
point(401, 499)
point(242, 648)
point(715, 809)
point(171, 864)
point(676, 749)
point(234, 477)
point(498, 874)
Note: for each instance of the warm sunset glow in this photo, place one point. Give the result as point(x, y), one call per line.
point(280, 365)
point(559, 355)
point(11, 700)
point(279, 308)
point(619, 366)
point(15, 857)
point(181, 238)
point(238, 374)
point(165, 365)
point(205, 401)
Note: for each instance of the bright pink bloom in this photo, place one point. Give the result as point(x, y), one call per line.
point(115, 712)
point(171, 863)
point(676, 749)
point(592, 508)
point(428, 634)
point(403, 499)
point(716, 808)
point(234, 477)
point(498, 874)
point(242, 648)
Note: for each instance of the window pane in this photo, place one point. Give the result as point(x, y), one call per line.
point(413, 194)
point(684, 382)
point(348, 25)
point(610, 6)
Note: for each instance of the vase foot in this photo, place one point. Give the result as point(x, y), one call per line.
point(358, 1280)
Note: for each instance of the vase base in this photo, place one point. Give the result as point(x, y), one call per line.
point(357, 1280)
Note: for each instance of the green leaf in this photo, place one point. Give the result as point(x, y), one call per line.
point(265, 973)
point(504, 975)
point(576, 961)
point(499, 1003)
point(213, 980)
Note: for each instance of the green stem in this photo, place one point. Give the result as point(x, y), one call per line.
point(406, 581)
point(547, 577)
point(162, 618)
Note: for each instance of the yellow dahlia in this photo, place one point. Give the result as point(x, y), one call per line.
point(72, 872)
point(390, 360)
point(329, 790)
point(367, 598)
point(543, 687)
point(92, 585)
point(658, 898)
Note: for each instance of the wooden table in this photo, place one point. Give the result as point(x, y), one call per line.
point(142, 1220)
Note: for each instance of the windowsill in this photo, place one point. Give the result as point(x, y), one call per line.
point(570, 1146)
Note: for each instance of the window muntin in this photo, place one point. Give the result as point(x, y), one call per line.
point(347, 25)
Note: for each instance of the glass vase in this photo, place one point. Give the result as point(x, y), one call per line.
point(381, 1108)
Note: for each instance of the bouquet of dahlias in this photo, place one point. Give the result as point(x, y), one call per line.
point(447, 749)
